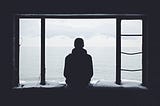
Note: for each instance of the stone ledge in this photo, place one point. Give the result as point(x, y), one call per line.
point(93, 84)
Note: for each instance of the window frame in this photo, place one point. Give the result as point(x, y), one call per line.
point(118, 17)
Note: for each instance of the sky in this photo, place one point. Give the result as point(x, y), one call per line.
point(95, 32)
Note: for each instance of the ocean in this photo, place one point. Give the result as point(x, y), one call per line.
point(104, 63)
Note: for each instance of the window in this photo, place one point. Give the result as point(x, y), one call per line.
point(99, 37)
point(30, 51)
point(42, 26)
point(131, 52)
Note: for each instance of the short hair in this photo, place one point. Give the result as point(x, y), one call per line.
point(78, 43)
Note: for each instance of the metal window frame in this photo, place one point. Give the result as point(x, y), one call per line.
point(118, 18)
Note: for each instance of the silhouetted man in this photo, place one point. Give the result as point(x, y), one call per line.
point(78, 68)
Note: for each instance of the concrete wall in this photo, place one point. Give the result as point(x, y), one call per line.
point(9, 8)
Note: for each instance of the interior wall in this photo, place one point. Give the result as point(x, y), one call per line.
point(149, 8)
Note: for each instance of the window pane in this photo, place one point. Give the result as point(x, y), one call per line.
point(131, 44)
point(99, 37)
point(131, 27)
point(30, 30)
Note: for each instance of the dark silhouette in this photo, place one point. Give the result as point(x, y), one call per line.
point(78, 68)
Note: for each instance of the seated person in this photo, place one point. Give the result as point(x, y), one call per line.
point(78, 68)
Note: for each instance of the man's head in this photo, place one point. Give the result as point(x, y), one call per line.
point(78, 43)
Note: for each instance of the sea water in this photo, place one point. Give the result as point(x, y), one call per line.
point(104, 63)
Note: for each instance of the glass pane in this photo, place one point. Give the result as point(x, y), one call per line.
point(133, 27)
point(131, 44)
point(99, 41)
point(29, 36)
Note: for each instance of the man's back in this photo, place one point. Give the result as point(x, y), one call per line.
point(78, 68)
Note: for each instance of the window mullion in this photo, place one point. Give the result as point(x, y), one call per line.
point(42, 51)
point(118, 51)
point(144, 51)
point(16, 52)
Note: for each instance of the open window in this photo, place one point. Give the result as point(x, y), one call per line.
point(99, 40)
point(117, 44)
point(131, 49)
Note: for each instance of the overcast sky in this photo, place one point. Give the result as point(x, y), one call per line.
point(62, 32)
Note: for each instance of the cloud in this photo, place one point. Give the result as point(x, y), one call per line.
point(69, 27)
point(27, 41)
point(131, 41)
point(62, 32)
point(30, 27)
point(131, 27)
point(80, 27)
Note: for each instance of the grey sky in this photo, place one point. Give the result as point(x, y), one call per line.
point(69, 27)
point(30, 27)
point(100, 31)
point(80, 27)
point(75, 27)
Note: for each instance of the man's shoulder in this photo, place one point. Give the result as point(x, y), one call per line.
point(69, 55)
point(89, 56)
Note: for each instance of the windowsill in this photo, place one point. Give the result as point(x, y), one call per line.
point(94, 84)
